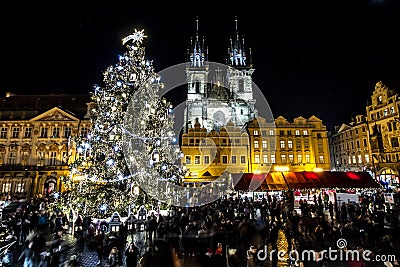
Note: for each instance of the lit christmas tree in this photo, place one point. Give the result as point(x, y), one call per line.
point(105, 182)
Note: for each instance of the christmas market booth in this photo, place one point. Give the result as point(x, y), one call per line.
point(306, 186)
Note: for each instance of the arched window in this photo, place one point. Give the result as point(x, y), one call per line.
point(197, 86)
point(241, 85)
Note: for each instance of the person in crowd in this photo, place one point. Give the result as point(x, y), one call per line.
point(160, 254)
point(100, 245)
point(114, 258)
point(251, 256)
point(27, 254)
point(131, 255)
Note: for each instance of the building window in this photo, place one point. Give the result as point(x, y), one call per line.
point(289, 132)
point(272, 145)
point(264, 143)
point(265, 158)
point(43, 132)
point(241, 85)
point(306, 144)
point(318, 135)
point(256, 144)
point(64, 157)
point(224, 159)
point(281, 132)
point(299, 158)
point(298, 144)
point(233, 159)
point(290, 144)
point(28, 132)
point(391, 110)
point(307, 158)
point(354, 159)
point(12, 158)
point(366, 158)
point(264, 133)
point(3, 133)
point(257, 158)
point(84, 131)
point(356, 131)
point(395, 142)
point(206, 159)
point(6, 187)
point(358, 143)
point(321, 159)
point(291, 158)
point(242, 159)
point(297, 132)
point(40, 158)
point(188, 160)
point(56, 132)
point(359, 159)
point(380, 99)
point(271, 132)
point(191, 141)
point(320, 148)
point(53, 158)
point(385, 112)
point(305, 132)
point(67, 131)
point(15, 132)
point(255, 132)
point(282, 142)
point(283, 159)
point(24, 158)
point(20, 188)
point(196, 159)
point(273, 161)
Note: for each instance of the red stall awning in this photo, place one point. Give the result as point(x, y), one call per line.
point(303, 180)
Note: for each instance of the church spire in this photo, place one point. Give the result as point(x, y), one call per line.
point(236, 52)
point(197, 51)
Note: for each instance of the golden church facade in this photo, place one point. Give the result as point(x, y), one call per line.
point(260, 147)
point(34, 141)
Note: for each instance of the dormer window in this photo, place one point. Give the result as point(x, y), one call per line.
point(380, 99)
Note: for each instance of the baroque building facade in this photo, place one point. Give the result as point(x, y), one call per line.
point(350, 149)
point(259, 147)
point(371, 142)
point(384, 129)
point(34, 141)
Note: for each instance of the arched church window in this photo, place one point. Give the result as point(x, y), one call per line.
point(241, 85)
point(197, 86)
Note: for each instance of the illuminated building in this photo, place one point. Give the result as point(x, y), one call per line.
point(384, 131)
point(350, 146)
point(34, 147)
point(260, 147)
point(228, 96)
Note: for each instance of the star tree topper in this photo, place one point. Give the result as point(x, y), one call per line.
point(136, 37)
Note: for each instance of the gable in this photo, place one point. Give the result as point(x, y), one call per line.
point(55, 114)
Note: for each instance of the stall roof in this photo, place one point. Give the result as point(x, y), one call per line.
point(303, 180)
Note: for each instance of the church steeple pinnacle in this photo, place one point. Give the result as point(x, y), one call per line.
point(197, 51)
point(236, 53)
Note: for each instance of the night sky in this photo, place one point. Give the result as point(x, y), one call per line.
point(318, 58)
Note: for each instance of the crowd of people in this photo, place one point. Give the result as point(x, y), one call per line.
point(228, 232)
